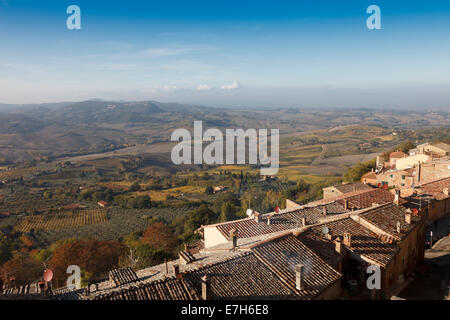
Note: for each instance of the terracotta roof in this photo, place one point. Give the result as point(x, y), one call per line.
point(364, 241)
point(247, 228)
point(165, 289)
point(282, 254)
point(351, 187)
point(435, 188)
point(363, 199)
point(242, 277)
point(370, 175)
point(441, 145)
point(386, 218)
point(398, 155)
point(122, 275)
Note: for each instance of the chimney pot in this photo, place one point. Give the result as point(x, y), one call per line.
point(256, 216)
point(206, 288)
point(347, 239)
point(399, 227)
point(233, 238)
point(338, 246)
point(397, 197)
point(408, 217)
point(299, 276)
point(346, 204)
point(269, 222)
point(324, 210)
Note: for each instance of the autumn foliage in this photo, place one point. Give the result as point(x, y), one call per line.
point(94, 257)
point(160, 237)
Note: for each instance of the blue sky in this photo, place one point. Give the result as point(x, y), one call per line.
point(227, 53)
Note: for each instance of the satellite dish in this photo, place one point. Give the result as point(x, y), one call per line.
point(277, 209)
point(325, 230)
point(249, 212)
point(48, 275)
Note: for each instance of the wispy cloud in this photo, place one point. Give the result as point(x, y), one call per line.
point(234, 85)
point(177, 50)
point(204, 87)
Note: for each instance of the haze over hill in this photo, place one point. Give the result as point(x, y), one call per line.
point(52, 130)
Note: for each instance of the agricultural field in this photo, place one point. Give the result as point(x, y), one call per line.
point(120, 223)
point(63, 220)
point(23, 202)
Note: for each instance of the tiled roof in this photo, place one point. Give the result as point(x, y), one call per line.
point(398, 155)
point(363, 199)
point(367, 199)
point(122, 275)
point(282, 254)
point(386, 218)
point(350, 187)
point(241, 277)
point(441, 145)
point(370, 175)
point(289, 220)
point(364, 241)
point(435, 188)
point(165, 289)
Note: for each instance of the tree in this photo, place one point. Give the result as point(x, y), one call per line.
point(159, 236)
point(209, 190)
point(6, 249)
point(23, 268)
point(134, 187)
point(227, 212)
point(94, 257)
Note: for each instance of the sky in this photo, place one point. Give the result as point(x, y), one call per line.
point(227, 53)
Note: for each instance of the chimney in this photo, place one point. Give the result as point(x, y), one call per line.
point(419, 172)
point(269, 222)
point(329, 236)
point(176, 270)
point(256, 216)
point(374, 204)
point(445, 191)
point(233, 238)
point(324, 210)
point(303, 221)
point(346, 204)
point(206, 288)
point(299, 276)
point(338, 245)
point(347, 239)
point(397, 197)
point(399, 227)
point(408, 217)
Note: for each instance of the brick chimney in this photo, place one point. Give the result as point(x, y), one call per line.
point(347, 239)
point(397, 197)
point(206, 288)
point(299, 277)
point(408, 217)
point(346, 204)
point(399, 227)
point(338, 245)
point(233, 238)
point(176, 269)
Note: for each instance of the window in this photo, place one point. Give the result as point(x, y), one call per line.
point(403, 177)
